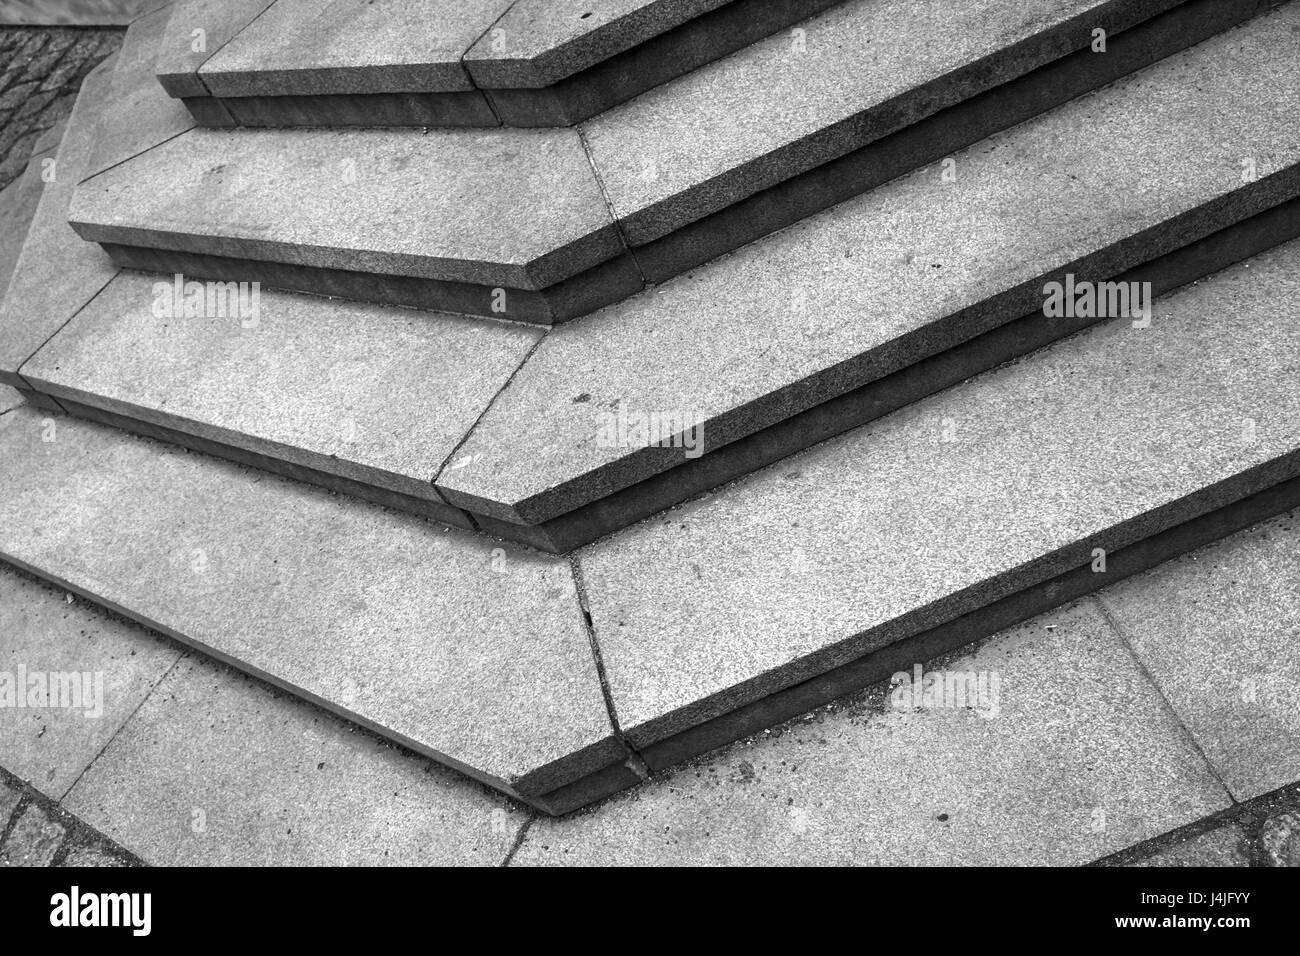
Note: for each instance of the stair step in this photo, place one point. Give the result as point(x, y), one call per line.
point(519, 226)
point(415, 631)
point(448, 62)
point(996, 492)
point(912, 270)
point(788, 588)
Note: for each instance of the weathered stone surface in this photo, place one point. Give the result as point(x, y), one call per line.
point(1081, 759)
point(1217, 631)
point(435, 637)
point(1281, 839)
point(181, 786)
point(56, 273)
point(137, 114)
point(198, 29)
point(299, 47)
point(515, 208)
point(18, 203)
point(1223, 846)
point(103, 666)
point(91, 856)
point(34, 839)
point(9, 399)
point(963, 498)
point(377, 395)
point(9, 800)
point(793, 102)
point(539, 42)
point(908, 270)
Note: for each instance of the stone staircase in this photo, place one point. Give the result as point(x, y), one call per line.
point(807, 246)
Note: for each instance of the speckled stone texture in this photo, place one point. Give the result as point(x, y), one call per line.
point(911, 269)
point(182, 787)
point(1080, 759)
point(33, 840)
point(45, 633)
point(790, 103)
point(57, 272)
point(18, 202)
point(966, 497)
point(137, 114)
point(1222, 846)
point(377, 395)
point(195, 31)
point(514, 208)
point(299, 47)
point(539, 42)
point(474, 657)
point(1237, 693)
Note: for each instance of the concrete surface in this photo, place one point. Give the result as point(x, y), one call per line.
point(137, 113)
point(9, 399)
point(539, 42)
point(18, 203)
point(181, 786)
point(46, 634)
point(1081, 759)
point(56, 273)
point(1223, 846)
point(1239, 692)
point(198, 29)
point(877, 283)
point(33, 840)
point(792, 102)
point(475, 657)
point(514, 208)
point(965, 497)
point(374, 394)
point(298, 47)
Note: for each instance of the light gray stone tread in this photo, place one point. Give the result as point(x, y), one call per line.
point(868, 287)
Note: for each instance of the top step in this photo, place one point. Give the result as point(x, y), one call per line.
point(445, 62)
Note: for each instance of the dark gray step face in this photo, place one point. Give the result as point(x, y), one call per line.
point(902, 274)
point(523, 247)
point(489, 62)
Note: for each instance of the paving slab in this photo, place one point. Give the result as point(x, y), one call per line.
point(434, 637)
point(1222, 846)
point(87, 856)
point(96, 669)
point(513, 208)
point(882, 281)
point(1217, 630)
point(10, 398)
point(198, 29)
point(181, 787)
point(299, 47)
point(137, 114)
point(1075, 757)
point(10, 797)
point(847, 77)
point(56, 272)
point(971, 495)
point(376, 395)
point(18, 203)
point(540, 42)
point(33, 840)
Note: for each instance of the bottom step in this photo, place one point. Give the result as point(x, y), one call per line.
point(1003, 496)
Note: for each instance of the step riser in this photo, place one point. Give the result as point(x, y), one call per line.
point(930, 645)
point(579, 97)
point(936, 137)
point(587, 292)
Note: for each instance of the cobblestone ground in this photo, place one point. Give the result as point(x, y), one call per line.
point(40, 72)
point(36, 832)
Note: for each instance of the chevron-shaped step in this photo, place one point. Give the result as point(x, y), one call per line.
point(492, 425)
point(445, 62)
point(1012, 492)
point(545, 225)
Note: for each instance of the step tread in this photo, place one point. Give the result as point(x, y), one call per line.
point(399, 624)
point(739, 125)
point(56, 272)
point(195, 31)
point(514, 208)
point(1098, 441)
point(918, 265)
